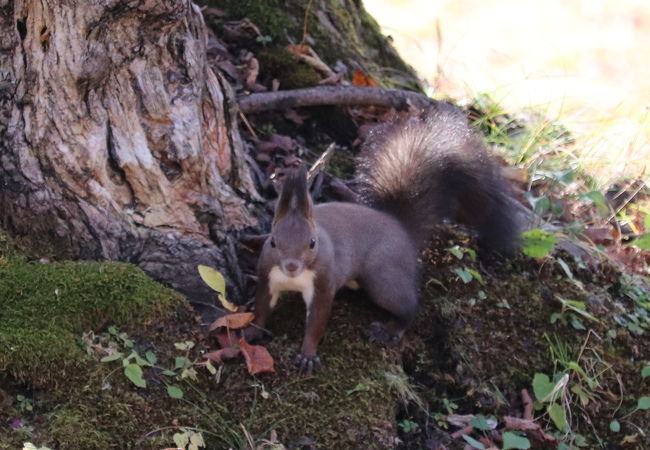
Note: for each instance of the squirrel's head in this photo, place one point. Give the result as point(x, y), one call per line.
point(293, 240)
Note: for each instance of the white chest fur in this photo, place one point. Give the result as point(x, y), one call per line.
point(303, 283)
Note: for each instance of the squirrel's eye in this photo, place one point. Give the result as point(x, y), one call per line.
point(312, 243)
point(272, 242)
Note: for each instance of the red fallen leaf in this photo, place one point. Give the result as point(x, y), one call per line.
point(258, 359)
point(233, 321)
point(600, 235)
point(361, 79)
point(222, 354)
point(226, 338)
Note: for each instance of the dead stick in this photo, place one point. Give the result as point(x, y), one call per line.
point(466, 430)
point(528, 404)
point(333, 95)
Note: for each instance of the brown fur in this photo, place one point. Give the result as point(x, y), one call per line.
point(416, 171)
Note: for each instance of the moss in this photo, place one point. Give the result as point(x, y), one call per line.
point(342, 164)
point(342, 31)
point(281, 64)
point(347, 402)
point(44, 308)
point(81, 403)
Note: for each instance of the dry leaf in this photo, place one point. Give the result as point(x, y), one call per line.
point(361, 79)
point(257, 357)
point(233, 321)
point(226, 338)
point(221, 355)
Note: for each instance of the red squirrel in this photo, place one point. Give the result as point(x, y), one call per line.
point(415, 172)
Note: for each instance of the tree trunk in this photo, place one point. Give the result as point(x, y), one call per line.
point(117, 141)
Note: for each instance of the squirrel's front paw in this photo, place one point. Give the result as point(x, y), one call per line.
point(306, 364)
point(377, 332)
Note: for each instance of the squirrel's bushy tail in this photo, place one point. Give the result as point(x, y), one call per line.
point(427, 168)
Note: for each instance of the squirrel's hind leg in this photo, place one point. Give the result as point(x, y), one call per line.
point(393, 289)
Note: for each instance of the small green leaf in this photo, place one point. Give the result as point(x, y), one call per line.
point(557, 415)
point(360, 387)
point(537, 243)
point(213, 278)
point(464, 275)
point(542, 386)
point(473, 442)
point(169, 373)
point(141, 362)
point(479, 422)
point(476, 275)
point(151, 357)
point(174, 392)
point(598, 199)
point(113, 330)
point(197, 439)
point(577, 324)
point(187, 345)
point(113, 357)
point(579, 440)
point(645, 372)
point(134, 373)
point(643, 241)
point(582, 395)
point(512, 440)
point(180, 362)
point(210, 367)
point(614, 426)
point(181, 439)
point(643, 403)
point(456, 251)
point(503, 304)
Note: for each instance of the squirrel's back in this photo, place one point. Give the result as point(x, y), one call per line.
point(430, 167)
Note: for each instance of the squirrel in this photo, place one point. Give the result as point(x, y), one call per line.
point(415, 172)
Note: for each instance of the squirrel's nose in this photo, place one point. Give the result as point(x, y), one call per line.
point(291, 267)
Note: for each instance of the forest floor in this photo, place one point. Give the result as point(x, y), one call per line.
point(546, 350)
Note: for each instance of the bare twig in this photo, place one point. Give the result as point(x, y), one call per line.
point(466, 430)
point(334, 95)
point(321, 162)
point(528, 404)
point(304, 25)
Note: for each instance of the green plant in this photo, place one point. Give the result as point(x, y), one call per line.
point(537, 243)
point(571, 312)
point(25, 404)
point(188, 439)
point(118, 344)
point(408, 426)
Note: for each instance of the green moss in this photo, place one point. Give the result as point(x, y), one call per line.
point(44, 308)
point(342, 164)
point(343, 31)
point(286, 68)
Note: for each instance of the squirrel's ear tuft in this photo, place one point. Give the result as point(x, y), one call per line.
point(294, 197)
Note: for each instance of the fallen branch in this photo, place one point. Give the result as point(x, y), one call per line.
point(334, 95)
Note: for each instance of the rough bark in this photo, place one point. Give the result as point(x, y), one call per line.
point(117, 141)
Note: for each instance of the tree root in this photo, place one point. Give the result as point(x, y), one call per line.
point(334, 95)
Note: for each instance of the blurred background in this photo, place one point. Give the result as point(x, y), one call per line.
point(583, 62)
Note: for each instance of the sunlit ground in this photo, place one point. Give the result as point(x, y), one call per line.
point(585, 62)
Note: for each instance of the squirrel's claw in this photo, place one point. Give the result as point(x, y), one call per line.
point(306, 364)
point(377, 332)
